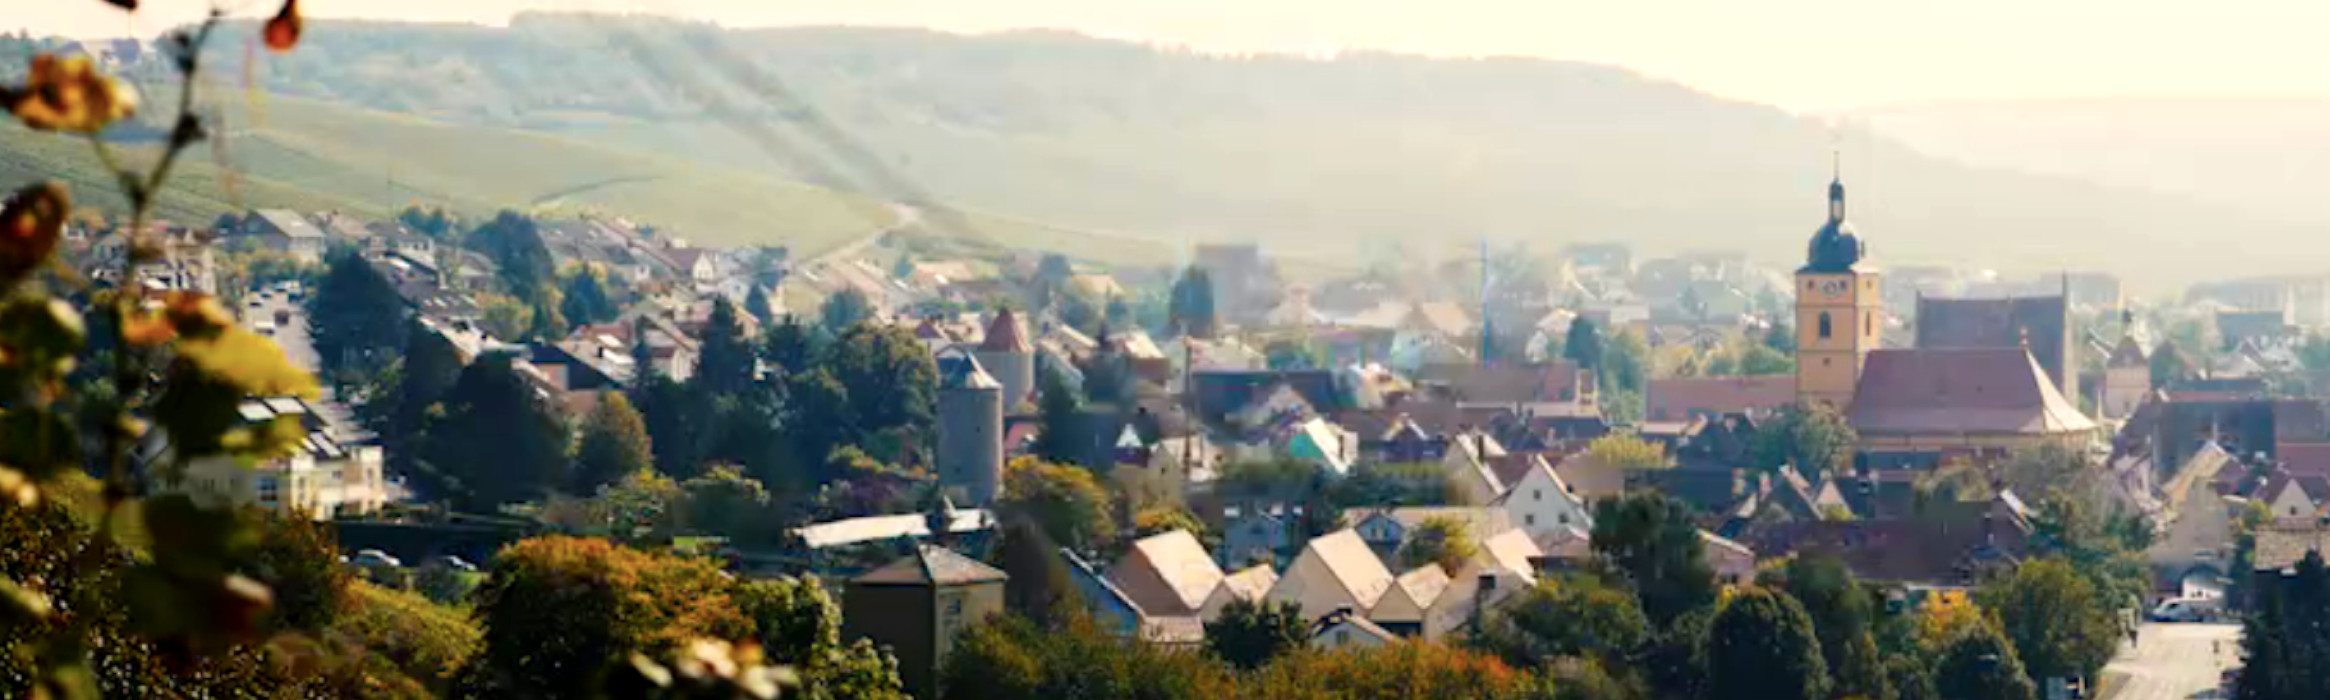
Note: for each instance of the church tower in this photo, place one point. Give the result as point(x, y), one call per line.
point(1838, 310)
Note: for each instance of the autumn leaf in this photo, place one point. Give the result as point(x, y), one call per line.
point(249, 362)
point(282, 32)
point(131, 5)
point(68, 94)
point(30, 225)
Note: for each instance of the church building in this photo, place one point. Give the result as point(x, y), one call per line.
point(1914, 406)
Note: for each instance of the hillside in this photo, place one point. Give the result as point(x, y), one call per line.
point(1354, 158)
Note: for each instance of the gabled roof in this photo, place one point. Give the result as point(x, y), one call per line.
point(1167, 571)
point(290, 223)
point(1480, 522)
point(1423, 585)
point(2039, 322)
point(2128, 353)
point(1005, 334)
point(886, 527)
point(931, 565)
point(1980, 391)
point(1679, 399)
point(1250, 583)
point(1354, 566)
point(1341, 619)
point(1512, 551)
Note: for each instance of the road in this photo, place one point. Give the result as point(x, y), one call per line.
point(2176, 661)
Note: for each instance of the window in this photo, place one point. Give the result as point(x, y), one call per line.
point(1529, 519)
point(1868, 322)
point(1537, 494)
point(1565, 518)
point(1824, 327)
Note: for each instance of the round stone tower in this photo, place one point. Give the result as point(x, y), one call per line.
point(970, 429)
point(1007, 356)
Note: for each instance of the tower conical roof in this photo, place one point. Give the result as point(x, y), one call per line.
point(1005, 335)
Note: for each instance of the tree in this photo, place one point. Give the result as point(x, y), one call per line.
point(1248, 634)
point(2286, 636)
point(1653, 542)
point(298, 560)
point(2169, 365)
point(789, 345)
point(356, 320)
point(1573, 615)
point(1813, 438)
point(556, 610)
point(1907, 678)
point(1759, 360)
point(1981, 665)
point(515, 245)
point(1060, 436)
point(430, 221)
point(756, 302)
point(584, 299)
point(1066, 502)
point(1583, 344)
point(1439, 540)
point(1625, 362)
point(430, 367)
point(724, 364)
point(1160, 519)
point(1052, 275)
point(892, 386)
point(1842, 615)
point(844, 309)
point(1191, 309)
point(798, 624)
point(1761, 647)
point(496, 442)
point(614, 443)
point(2058, 624)
point(1627, 452)
point(1782, 338)
point(724, 501)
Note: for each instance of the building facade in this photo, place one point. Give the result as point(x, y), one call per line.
point(1838, 305)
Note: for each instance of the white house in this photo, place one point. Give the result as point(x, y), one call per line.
point(2294, 499)
point(324, 477)
point(1541, 504)
point(1505, 565)
point(1168, 573)
point(1334, 571)
point(1404, 608)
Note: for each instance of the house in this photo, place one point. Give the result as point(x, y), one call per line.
point(1385, 530)
point(1113, 609)
point(285, 232)
point(2196, 546)
point(1733, 562)
point(1540, 504)
point(1467, 466)
point(1589, 478)
point(1249, 585)
point(332, 472)
point(1682, 399)
point(1334, 571)
point(1505, 564)
point(2280, 546)
point(2294, 497)
point(1346, 629)
point(1168, 573)
point(1328, 446)
point(918, 606)
point(1405, 607)
point(1252, 534)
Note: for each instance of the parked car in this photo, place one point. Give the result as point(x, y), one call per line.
point(2188, 610)
point(376, 558)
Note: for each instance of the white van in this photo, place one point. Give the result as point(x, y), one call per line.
point(2188, 609)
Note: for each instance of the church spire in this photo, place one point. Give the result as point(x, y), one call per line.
point(1836, 187)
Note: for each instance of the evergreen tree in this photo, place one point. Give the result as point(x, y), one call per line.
point(431, 366)
point(1761, 647)
point(1981, 665)
point(515, 245)
point(497, 441)
point(724, 366)
point(1583, 344)
point(1248, 634)
point(1191, 309)
point(756, 302)
point(1653, 541)
point(2286, 637)
point(1842, 615)
point(1060, 437)
point(356, 320)
point(789, 345)
point(643, 367)
point(844, 309)
point(585, 299)
point(614, 443)
point(892, 385)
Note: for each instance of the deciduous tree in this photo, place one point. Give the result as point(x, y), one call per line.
point(614, 443)
point(1761, 647)
point(1248, 634)
point(1653, 542)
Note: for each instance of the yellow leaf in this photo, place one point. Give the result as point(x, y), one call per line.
point(248, 361)
point(30, 225)
point(68, 94)
point(283, 30)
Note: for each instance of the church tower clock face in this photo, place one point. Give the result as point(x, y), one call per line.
point(1834, 287)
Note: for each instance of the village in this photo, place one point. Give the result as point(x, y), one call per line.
point(1396, 452)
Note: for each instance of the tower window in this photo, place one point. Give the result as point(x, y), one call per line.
point(1824, 328)
point(1868, 322)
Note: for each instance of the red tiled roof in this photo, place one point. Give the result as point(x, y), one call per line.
point(1679, 399)
point(2310, 458)
point(1559, 380)
point(1005, 335)
point(1962, 391)
point(2040, 322)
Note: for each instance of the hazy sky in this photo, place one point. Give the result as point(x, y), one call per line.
point(1801, 54)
